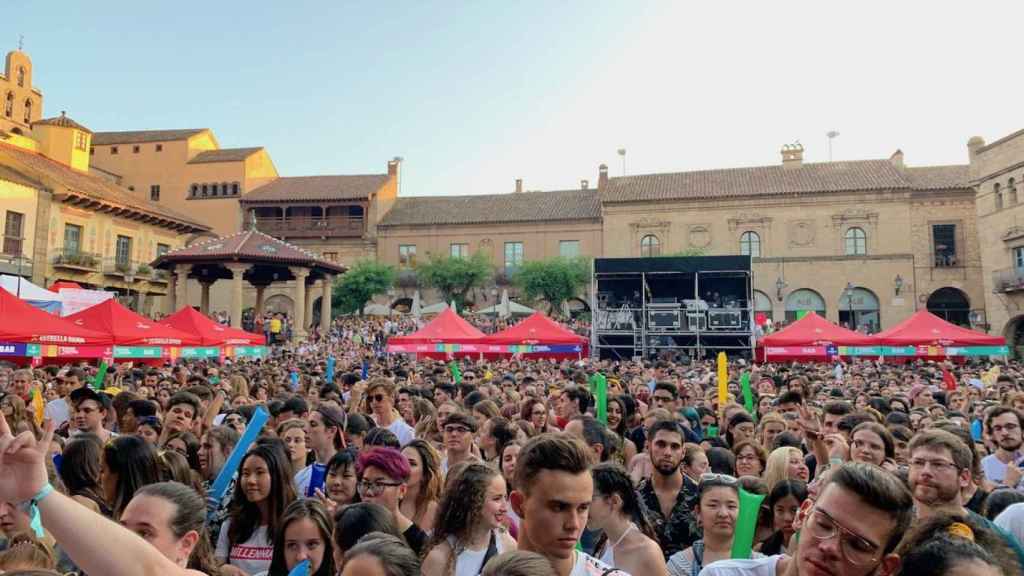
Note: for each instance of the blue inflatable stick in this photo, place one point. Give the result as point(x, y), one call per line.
point(252, 431)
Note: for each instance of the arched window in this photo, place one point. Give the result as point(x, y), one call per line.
point(28, 111)
point(9, 105)
point(859, 310)
point(1011, 187)
point(997, 191)
point(21, 76)
point(750, 244)
point(762, 306)
point(650, 246)
point(800, 302)
point(856, 242)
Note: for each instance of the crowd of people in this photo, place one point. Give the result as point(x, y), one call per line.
point(330, 457)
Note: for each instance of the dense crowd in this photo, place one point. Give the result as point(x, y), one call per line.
point(331, 457)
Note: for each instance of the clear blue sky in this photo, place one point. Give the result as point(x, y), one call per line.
point(476, 94)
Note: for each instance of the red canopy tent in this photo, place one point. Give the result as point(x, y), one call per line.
point(927, 329)
point(547, 337)
point(26, 324)
point(210, 333)
point(128, 328)
point(447, 334)
point(809, 338)
point(58, 285)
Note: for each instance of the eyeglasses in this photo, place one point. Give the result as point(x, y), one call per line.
point(377, 397)
point(857, 549)
point(709, 480)
point(937, 465)
point(376, 487)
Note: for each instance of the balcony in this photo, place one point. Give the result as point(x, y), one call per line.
point(15, 265)
point(120, 267)
point(311, 226)
point(1008, 280)
point(72, 259)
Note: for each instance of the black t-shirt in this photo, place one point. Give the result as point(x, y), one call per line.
point(977, 501)
point(416, 538)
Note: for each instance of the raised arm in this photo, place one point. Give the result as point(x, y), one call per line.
point(88, 538)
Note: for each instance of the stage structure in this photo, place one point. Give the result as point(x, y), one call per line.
point(669, 306)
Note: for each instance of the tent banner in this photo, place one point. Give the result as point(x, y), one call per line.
point(877, 351)
point(76, 300)
point(796, 350)
point(487, 348)
point(200, 352)
point(977, 351)
point(18, 349)
point(138, 352)
point(51, 351)
point(246, 351)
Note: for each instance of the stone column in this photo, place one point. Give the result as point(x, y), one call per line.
point(172, 292)
point(299, 297)
point(310, 297)
point(237, 270)
point(325, 305)
point(204, 302)
point(259, 299)
point(181, 286)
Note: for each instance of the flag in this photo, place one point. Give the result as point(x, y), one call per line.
point(948, 379)
point(101, 375)
point(746, 524)
point(723, 383)
point(453, 367)
point(38, 406)
point(599, 388)
point(748, 395)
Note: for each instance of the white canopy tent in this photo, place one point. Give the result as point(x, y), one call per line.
point(35, 295)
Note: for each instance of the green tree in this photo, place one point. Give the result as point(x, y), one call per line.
point(360, 284)
point(553, 281)
point(454, 277)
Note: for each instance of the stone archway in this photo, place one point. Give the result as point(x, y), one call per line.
point(280, 303)
point(1014, 334)
point(952, 305)
point(403, 305)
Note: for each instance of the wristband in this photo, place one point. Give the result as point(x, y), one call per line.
point(31, 507)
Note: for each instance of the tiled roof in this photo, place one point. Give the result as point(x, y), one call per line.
point(308, 188)
point(224, 155)
point(62, 121)
point(90, 186)
point(495, 208)
point(142, 136)
point(939, 177)
point(756, 181)
point(12, 175)
point(249, 246)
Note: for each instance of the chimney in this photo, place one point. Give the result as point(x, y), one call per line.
point(897, 159)
point(602, 176)
point(585, 184)
point(793, 155)
point(974, 145)
point(393, 167)
point(519, 185)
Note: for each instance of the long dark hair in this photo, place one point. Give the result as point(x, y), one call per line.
point(191, 447)
point(189, 514)
point(503, 432)
point(357, 520)
point(430, 483)
point(80, 467)
point(245, 515)
point(611, 478)
point(459, 513)
point(299, 510)
point(134, 463)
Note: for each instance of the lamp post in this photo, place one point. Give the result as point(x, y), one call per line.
point(849, 305)
point(780, 285)
point(897, 283)
point(129, 277)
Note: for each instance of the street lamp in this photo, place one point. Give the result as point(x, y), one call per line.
point(129, 277)
point(849, 305)
point(897, 283)
point(780, 285)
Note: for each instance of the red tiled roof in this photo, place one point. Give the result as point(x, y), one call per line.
point(495, 208)
point(823, 177)
point(62, 121)
point(224, 155)
point(91, 187)
point(142, 136)
point(309, 188)
point(939, 177)
point(249, 246)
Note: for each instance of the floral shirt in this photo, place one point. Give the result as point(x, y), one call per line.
point(676, 532)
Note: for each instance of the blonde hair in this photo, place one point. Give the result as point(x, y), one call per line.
point(26, 552)
point(777, 468)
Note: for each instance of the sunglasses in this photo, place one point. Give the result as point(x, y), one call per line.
point(377, 397)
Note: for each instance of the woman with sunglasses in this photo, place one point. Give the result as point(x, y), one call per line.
point(718, 506)
point(628, 541)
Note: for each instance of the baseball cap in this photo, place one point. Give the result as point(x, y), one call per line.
point(87, 393)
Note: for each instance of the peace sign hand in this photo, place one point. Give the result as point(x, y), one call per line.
point(22, 462)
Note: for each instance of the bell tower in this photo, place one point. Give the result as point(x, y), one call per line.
point(21, 104)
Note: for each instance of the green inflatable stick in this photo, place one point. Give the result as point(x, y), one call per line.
point(746, 525)
point(601, 399)
point(101, 375)
point(748, 395)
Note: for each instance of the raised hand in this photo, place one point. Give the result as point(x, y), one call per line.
point(22, 462)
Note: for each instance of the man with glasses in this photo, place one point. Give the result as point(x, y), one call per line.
point(457, 432)
point(383, 474)
point(380, 394)
point(665, 396)
point(851, 530)
point(1003, 466)
point(940, 470)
